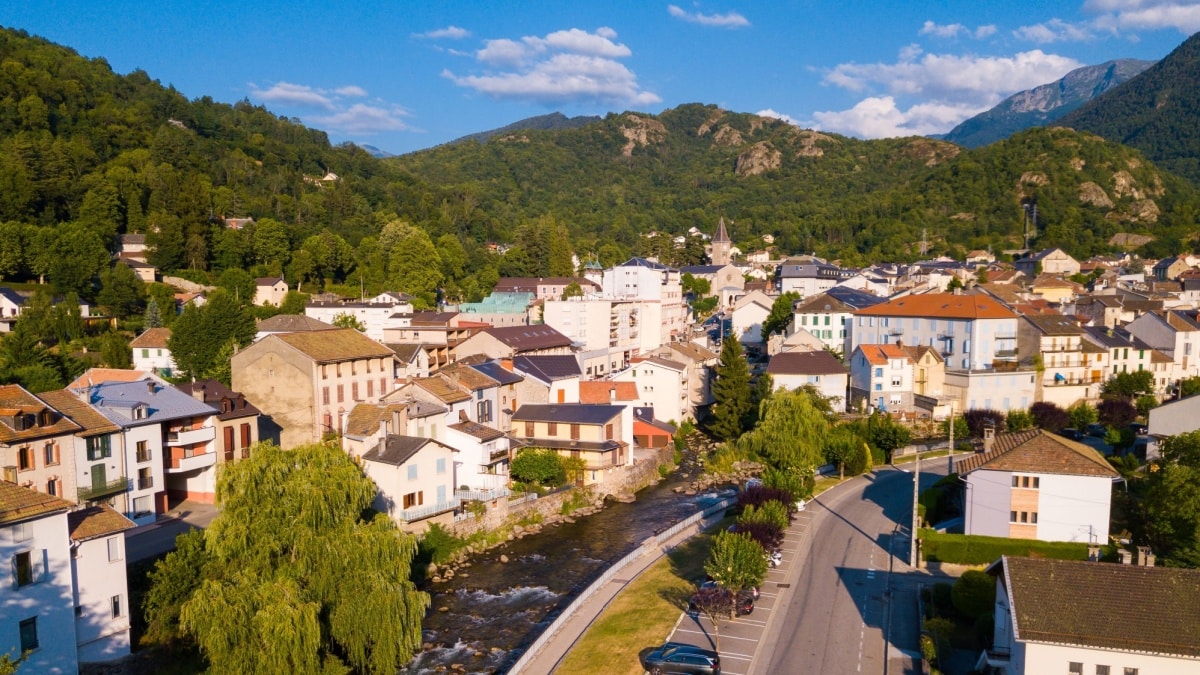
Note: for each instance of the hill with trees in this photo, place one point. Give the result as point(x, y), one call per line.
point(1157, 112)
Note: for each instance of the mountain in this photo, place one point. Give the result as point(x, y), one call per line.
point(1157, 112)
point(375, 152)
point(550, 122)
point(1042, 105)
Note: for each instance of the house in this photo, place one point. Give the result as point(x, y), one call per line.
point(662, 385)
point(101, 588)
point(808, 275)
point(289, 323)
point(145, 271)
point(822, 370)
point(881, 376)
point(511, 341)
point(483, 455)
point(701, 365)
point(1072, 366)
point(657, 286)
point(827, 316)
point(150, 351)
point(607, 333)
point(1071, 616)
point(649, 432)
point(1048, 261)
point(412, 360)
point(415, 477)
point(305, 382)
point(438, 333)
point(270, 291)
point(1170, 269)
point(508, 390)
point(1037, 485)
point(608, 391)
point(748, 315)
point(368, 423)
point(38, 605)
point(37, 448)
point(550, 378)
point(600, 435)
point(132, 246)
point(543, 288)
point(1175, 333)
point(11, 305)
point(1055, 289)
point(237, 419)
point(980, 257)
point(374, 314)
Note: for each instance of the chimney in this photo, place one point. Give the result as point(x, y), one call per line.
point(150, 386)
point(1093, 553)
point(612, 393)
point(198, 392)
point(989, 435)
point(1126, 558)
point(1144, 557)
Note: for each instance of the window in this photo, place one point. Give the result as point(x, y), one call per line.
point(145, 353)
point(325, 395)
point(245, 434)
point(341, 391)
point(143, 452)
point(21, 532)
point(529, 430)
point(1131, 671)
point(895, 381)
point(552, 428)
point(51, 453)
point(145, 479)
point(879, 372)
point(53, 487)
point(483, 411)
point(227, 436)
point(25, 569)
point(25, 460)
point(441, 465)
point(574, 432)
point(414, 499)
point(116, 606)
point(114, 549)
point(412, 471)
point(608, 432)
point(29, 638)
point(354, 391)
point(370, 388)
point(878, 386)
point(141, 506)
point(1101, 670)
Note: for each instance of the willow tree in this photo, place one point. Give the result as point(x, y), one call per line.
point(790, 432)
point(294, 578)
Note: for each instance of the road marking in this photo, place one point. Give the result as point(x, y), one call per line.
point(723, 637)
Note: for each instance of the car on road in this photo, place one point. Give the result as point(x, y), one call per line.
point(678, 658)
point(1097, 430)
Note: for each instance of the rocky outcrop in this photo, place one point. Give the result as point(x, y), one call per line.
point(758, 159)
point(1033, 178)
point(808, 141)
point(708, 123)
point(933, 152)
point(640, 132)
point(1144, 211)
point(1090, 193)
point(1124, 185)
point(727, 135)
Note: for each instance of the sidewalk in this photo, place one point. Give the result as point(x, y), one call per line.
point(585, 613)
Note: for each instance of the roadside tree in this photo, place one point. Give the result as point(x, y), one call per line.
point(736, 561)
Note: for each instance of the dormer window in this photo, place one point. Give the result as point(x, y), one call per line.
point(225, 405)
point(140, 411)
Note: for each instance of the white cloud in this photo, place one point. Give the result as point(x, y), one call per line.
point(959, 78)
point(364, 119)
point(1117, 15)
point(985, 31)
point(953, 30)
point(293, 94)
point(566, 66)
point(880, 117)
point(769, 112)
point(1054, 30)
point(351, 90)
point(727, 20)
point(447, 33)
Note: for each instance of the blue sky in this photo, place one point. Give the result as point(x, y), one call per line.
point(404, 75)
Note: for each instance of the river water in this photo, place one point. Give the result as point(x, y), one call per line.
point(495, 610)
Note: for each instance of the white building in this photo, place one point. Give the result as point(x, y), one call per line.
point(1037, 485)
point(748, 315)
point(101, 588)
point(662, 384)
point(651, 282)
point(150, 351)
point(822, 370)
point(37, 610)
point(1076, 617)
point(881, 376)
point(415, 477)
point(374, 314)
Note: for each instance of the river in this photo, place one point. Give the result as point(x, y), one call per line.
point(495, 610)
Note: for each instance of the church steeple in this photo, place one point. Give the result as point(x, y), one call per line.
point(719, 250)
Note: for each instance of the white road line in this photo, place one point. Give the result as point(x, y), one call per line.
point(723, 637)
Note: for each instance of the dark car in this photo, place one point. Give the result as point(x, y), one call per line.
point(1097, 430)
point(683, 659)
point(1139, 428)
point(745, 601)
point(1071, 433)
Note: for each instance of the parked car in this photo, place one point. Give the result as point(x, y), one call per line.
point(683, 659)
point(1070, 432)
point(1139, 428)
point(1097, 430)
point(709, 583)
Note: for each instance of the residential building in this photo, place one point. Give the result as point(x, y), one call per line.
point(101, 587)
point(881, 378)
point(1125, 353)
point(483, 390)
point(411, 360)
point(150, 351)
point(374, 314)
point(808, 275)
point(145, 271)
point(1061, 616)
point(1037, 485)
point(662, 385)
point(748, 315)
point(415, 477)
point(1072, 367)
point(649, 431)
point(270, 291)
point(549, 378)
point(439, 334)
point(38, 610)
point(657, 287)
point(508, 390)
point(37, 448)
point(1047, 261)
point(305, 382)
point(237, 419)
point(1175, 333)
point(483, 455)
point(971, 332)
point(543, 288)
point(607, 333)
point(822, 370)
point(512, 341)
point(90, 444)
point(1170, 269)
point(701, 365)
point(600, 435)
point(991, 389)
point(290, 323)
point(827, 316)
point(1056, 289)
point(500, 309)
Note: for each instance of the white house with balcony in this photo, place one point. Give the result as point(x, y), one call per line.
point(416, 480)
point(662, 384)
point(652, 283)
point(1072, 366)
point(483, 455)
point(881, 378)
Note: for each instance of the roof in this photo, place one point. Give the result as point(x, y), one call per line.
point(854, 297)
point(132, 239)
point(364, 418)
point(722, 236)
point(530, 284)
point(642, 262)
point(90, 421)
point(1107, 337)
point(443, 388)
point(601, 391)
point(664, 363)
point(215, 393)
point(1054, 324)
point(396, 450)
point(468, 377)
point(117, 400)
point(405, 352)
point(548, 367)
point(21, 503)
point(292, 323)
point(267, 281)
point(152, 338)
point(14, 400)
point(881, 354)
point(645, 415)
point(497, 372)
point(567, 413)
point(480, 431)
point(529, 338)
point(822, 302)
point(98, 375)
point(692, 351)
point(805, 363)
point(12, 296)
point(1131, 608)
point(1038, 451)
point(96, 521)
point(331, 346)
point(941, 305)
point(700, 270)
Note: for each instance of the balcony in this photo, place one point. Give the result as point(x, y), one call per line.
point(1061, 381)
point(199, 461)
point(498, 456)
point(191, 436)
point(97, 492)
point(482, 495)
point(1006, 353)
point(146, 483)
point(422, 512)
point(1005, 337)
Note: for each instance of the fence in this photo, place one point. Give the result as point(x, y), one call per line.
point(649, 545)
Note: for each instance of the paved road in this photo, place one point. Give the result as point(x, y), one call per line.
point(153, 540)
point(836, 613)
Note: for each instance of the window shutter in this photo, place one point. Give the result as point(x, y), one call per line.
point(41, 570)
point(15, 583)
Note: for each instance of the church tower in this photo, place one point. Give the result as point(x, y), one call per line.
point(721, 244)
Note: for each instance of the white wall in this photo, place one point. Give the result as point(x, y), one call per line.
point(1074, 508)
point(831, 386)
point(1045, 658)
point(50, 598)
point(988, 503)
point(152, 434)
point(100, 635)
point(151, 358)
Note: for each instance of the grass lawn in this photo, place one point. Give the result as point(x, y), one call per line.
point(642, 615)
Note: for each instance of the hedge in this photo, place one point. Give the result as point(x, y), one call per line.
point(966, 549)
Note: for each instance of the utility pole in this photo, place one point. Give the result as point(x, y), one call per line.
point(916, 514)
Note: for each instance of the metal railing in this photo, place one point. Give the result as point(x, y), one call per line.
point(420, 512)
point(482, 495)
point(112, 487)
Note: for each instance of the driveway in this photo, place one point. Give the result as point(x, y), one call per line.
point(157, 538)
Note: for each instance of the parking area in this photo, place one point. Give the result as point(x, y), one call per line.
point(737, 639)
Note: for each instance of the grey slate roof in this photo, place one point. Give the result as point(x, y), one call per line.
point(642, 262)
point(498, 372)
point(396, 450)
point(548, 368)
point(578, 413)
point(854, 297)
point(12, 296)
point(117, 400)
point(700, 269)
point(529, 338)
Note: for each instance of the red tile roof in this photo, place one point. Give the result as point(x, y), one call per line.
point(881, 354)
point(1038, 451)
point(601, 392)
point(941, 306)
point(153, 338)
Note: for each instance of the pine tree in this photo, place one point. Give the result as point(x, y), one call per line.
point(731, 392)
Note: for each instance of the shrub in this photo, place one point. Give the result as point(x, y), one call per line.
point(793, 481)
point(980, 418)
point(538, 465)
point(1049, 416)
point(438, 544)
point(1018, 420)
point(1115, 412)
point(771, 513)
point(974, 594)
point(759, 495)
point(966, 549)
point(767, 535)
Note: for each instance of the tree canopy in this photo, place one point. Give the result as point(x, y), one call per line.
point(731, 392)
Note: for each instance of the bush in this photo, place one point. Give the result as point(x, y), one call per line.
point(1018, 420)
point(978, 419)
point(541, 466)
point(767, 535)
point(974, 594)
point(438, 545)
point(793, 481)
point(966, 549)
point(772, 513)
point(1118, 413)
point(985, 629)
point(759, 495)
point(1049, 416)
